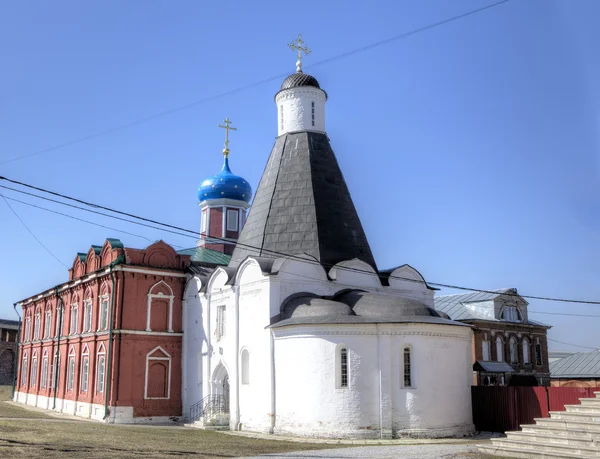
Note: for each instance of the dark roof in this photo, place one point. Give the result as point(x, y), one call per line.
point(11, 324)
point(580, 365)
point(204, 255)
point(303, 205)
point(299, 79)
point(492, 367)
point(356, 307)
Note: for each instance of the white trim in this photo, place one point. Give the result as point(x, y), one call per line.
point(161, 296)
point(149, 333)
point(224, 221)
point(236, 220)
point(219, 202)
point(148, 271)
point(148, 358)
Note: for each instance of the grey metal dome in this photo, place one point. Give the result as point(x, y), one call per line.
point(298, 79)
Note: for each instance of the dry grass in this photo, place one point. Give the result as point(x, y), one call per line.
point(48, 437)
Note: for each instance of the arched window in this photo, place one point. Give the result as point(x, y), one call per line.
point(485, 349)
point(158, 374)
point(103, 309)
point(54, 369)
point(538, 353)
point(407, 367)
point(27, 330)
point(71, 369)
point(245, 367)
point(514, 354)
point(499, 349)
point(160, 308)
point(526, 351)
point(74, 319)
point(87, 314)
point(34, 369)
point(24, 370)
point(85, 369)
point(37, 325)
point(44, 375)
point(48, 323)
point(100, 369)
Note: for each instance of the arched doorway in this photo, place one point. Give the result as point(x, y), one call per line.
point(226, 394)
point(220, 388)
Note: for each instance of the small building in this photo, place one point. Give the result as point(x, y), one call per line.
point(8, 337)
point(576, 370)
point(508, 347)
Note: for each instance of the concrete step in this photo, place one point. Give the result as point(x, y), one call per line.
point(575, 416)
point(578, 423)
point(562, 431)
point(590, 402)
point(597, 394)
point(583, 409)
point(535, 437)
point(515, 452)
point(546, 447)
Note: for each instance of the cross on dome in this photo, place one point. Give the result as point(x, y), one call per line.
point(296, 45)
point(227, 127)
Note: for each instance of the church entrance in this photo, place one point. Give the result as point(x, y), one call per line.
point(225, 392)
point(220, 389)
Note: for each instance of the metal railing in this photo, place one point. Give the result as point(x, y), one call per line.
point(209, 406)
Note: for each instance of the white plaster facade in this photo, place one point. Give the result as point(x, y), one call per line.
point(292, 372)
point(300, 109)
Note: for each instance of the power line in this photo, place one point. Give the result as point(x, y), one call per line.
point(258, 83)
point(565, 314)
point(31, 232)
point(575, 345)
point(259, 250)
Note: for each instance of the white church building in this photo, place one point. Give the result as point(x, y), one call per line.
point(301, 333)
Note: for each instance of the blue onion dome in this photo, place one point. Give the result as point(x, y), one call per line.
point(225, 185)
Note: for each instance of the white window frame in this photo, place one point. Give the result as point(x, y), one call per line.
point(87, 315)
point(499, 349)
point(204, 220)
point(37, 325)
point(85, 370)
point(71, 369)
point(48, 323)
point(162, 296)
point(167, 357)
point(44, 376)
point(486, 350)
point(221, 325)
point(24, 369)
point(27, 334)
point(74, 319)
point(53, 369)
point(103, 306)
point(233, 220)
point(100, 364)
point(33, 379)
point(403, 365)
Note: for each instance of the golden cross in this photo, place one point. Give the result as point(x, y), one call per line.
point(296, 45)
point(227, 127)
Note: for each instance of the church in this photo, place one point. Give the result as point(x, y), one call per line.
point(283, 322)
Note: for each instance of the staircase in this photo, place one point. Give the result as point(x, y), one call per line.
point(574, 433)
point(212, 412)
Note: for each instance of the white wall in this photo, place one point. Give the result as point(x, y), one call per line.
point(295, 106)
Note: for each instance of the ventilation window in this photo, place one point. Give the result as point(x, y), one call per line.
point(343, 367)
point(313, 113)
point(281, 116)
point(407, 368)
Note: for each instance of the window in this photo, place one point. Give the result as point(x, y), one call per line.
point(485, 348)
point(100, 374)
point(538, 354)
point(27, 329)
point(85, 371)
point(232, 220)
point(514, 355)
point(103, 315)
point(204, 221)
point(343, 367)
point(44, 381)
point(221, 322)
point(407, 369)
point(59, 319)
point(499, 350)
point(74, 319)
point(48, 323)
point(71, 370)
point(37, 326)
point(525, 351)
point(281, 116)
point(245, 367)
point(53, 367)
point(313, 113)
point(24, 370)
point(87, 316)
point(511, 314)
point(34, 370)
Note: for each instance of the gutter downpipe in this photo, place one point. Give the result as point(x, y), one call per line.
point(15, 365)
point(57, 351)
point(108, 382)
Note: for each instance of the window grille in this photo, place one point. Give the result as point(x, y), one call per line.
point(71, 373)
point(538, 354)
point(313, 113)
point(100, 376)
point(343, 367)
point(407, 368)
point(85, 369)
point(44, 381)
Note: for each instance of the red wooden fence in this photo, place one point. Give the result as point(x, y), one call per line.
point(502, 408)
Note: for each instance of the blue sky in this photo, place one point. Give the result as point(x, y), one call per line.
point(471, 150)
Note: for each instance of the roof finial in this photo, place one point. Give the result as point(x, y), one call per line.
point(296, 45)
point(227, 127)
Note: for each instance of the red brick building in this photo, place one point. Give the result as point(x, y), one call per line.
point(106, 344)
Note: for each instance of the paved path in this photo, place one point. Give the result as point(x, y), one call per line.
point(448, 451)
